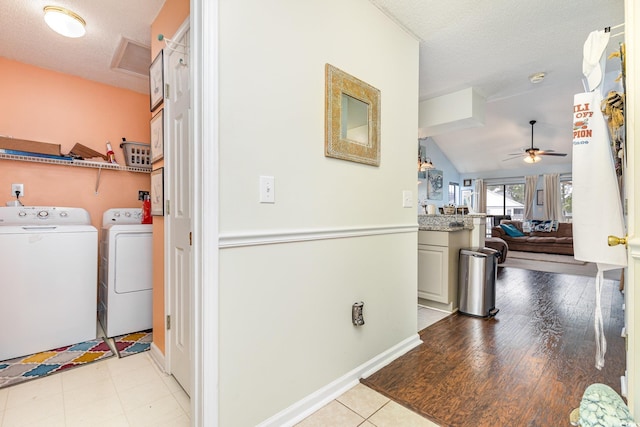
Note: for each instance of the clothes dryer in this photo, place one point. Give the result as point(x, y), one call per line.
point(125, 290)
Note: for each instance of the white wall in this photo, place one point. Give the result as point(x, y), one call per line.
point(289, 272)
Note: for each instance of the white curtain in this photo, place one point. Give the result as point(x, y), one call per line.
point(530, 185)
point(552, 196)
point(481, 196)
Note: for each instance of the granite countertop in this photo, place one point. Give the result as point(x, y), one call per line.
point(445, 223)
point(443, 228)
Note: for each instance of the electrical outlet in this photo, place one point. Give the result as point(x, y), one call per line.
point(17, 187)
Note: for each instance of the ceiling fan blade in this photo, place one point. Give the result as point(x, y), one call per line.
point(515, 156)
point(547, 153)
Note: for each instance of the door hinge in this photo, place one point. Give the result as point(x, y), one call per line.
point(166, 91)
point(190, 238)
point(168, 322)
point(167, 206)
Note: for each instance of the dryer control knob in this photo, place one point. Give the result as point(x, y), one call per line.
point(127, 214)
point(43, 214)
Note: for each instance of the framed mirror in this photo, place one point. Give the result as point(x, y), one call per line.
point(352, 118)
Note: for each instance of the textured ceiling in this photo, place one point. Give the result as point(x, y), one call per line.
point(25, 37)
point(490, 45)
point(494, 46)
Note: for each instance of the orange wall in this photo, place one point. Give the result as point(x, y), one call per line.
point(170, 18)
point(47, 106)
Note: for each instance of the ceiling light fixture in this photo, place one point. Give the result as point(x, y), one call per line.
point(532, 158)
point(64, 22)
point(424, 163)
point(536, 78)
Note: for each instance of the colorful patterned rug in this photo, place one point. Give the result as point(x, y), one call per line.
point(129, 344)
point(38, 365)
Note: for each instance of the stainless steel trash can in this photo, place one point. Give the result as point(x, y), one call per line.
point(477, 282)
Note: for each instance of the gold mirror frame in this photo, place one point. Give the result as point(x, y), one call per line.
point(337, 85)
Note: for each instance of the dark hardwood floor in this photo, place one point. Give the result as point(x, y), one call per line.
point(527, 367)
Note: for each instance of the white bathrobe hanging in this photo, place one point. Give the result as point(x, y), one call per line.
point(597, 208)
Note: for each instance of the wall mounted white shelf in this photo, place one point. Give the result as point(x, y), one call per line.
point(75, 163)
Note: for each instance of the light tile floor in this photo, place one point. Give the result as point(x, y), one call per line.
point(428, 316)
point(113, 392)
point(132, 391)
point(362, 406)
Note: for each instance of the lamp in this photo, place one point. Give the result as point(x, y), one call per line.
point(532, 158)
point(64, 22)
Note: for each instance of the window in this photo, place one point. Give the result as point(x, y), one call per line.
point(453, 193)
point(566, 190)
point(506, 199)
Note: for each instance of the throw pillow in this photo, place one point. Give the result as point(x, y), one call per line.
point(547, 226)
point(511, 230)
point(527, 226)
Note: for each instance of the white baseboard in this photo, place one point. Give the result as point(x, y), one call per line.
point(310, 404)
point(157, 356)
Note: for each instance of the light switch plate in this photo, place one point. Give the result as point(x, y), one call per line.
point(267, 189)
point(407, 199)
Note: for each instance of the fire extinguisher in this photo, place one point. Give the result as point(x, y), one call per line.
point(146, 210)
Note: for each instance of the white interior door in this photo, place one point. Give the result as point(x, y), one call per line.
point(180, 204)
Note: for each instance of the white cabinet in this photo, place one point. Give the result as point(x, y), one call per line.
point(438, 267)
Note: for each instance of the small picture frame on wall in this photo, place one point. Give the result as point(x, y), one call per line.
point(466, 183)
point(157, 192)
point(157, 136)
point(156, 81)
point(540, 197)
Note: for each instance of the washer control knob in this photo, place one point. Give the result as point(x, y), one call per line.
point(22, 213)
point(116, 214)
point(127, 214)
point(64, 214)
point(43, 214)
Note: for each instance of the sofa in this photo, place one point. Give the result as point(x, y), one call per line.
point(550, 237)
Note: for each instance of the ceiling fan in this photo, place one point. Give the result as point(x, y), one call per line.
point(532, 154)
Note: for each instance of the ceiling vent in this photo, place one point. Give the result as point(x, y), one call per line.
point(132, 58)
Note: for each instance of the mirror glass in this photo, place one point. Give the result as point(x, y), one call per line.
point(354, 122)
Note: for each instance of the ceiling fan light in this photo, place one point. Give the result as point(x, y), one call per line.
point(532, 159)
point(64, 22)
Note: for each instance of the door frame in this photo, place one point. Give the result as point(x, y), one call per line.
point(632, 297)
point(205, 254)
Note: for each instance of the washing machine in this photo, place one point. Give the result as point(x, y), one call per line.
point(48, 288)
point(124, 301)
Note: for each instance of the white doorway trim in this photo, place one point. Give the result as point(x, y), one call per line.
point(204, 57)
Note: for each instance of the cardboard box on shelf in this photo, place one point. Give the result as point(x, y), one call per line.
point(29, 146)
